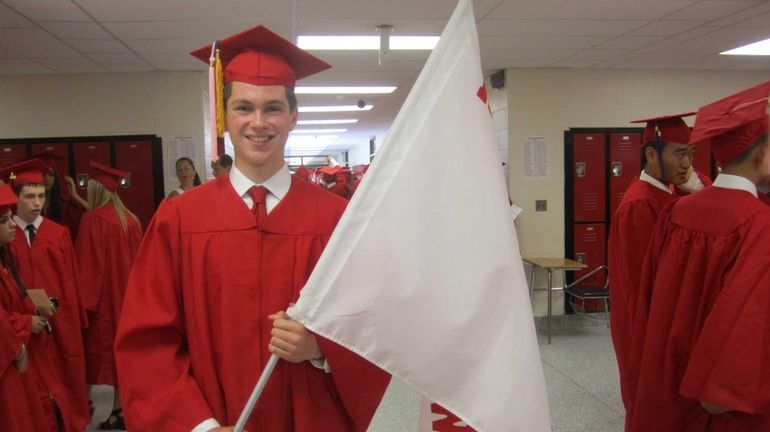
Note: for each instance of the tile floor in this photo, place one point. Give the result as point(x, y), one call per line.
point(580, 372)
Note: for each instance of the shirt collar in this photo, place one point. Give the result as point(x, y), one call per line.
point(278, 184)
point(653, 181)
point(23, 224)
point(730, 181)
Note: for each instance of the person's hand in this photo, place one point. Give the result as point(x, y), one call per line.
point(38, 323)
point(291, 341)
point(22, 361)
point(70, 184)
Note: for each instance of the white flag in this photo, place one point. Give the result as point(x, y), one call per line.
point(423, 276)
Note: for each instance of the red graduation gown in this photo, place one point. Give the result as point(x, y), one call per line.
point(194, 332)
point(15, 412)
point(50, 264)
point(105, 253)
point(630, 232)
point(41, 380)
point(705, 338)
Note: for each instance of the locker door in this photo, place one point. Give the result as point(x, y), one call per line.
point(138, 194)
point(625, 164)
point(12, 153)
point(591, 250)
point(83, 152)
point(59, 149)
point(588, 171)
point(702, 160)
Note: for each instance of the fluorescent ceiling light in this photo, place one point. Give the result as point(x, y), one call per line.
point(334, 108)
point(318, 131)
point(761, 48)
point(366, 42)
point(327, 122)
point(345, 90)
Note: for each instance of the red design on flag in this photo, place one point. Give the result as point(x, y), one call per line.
point(482, 93)
point(449, 422)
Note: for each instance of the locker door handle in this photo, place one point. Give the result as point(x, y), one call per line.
point(580, 169)
point(580, 257)
point(82, 180)
point(617, 169)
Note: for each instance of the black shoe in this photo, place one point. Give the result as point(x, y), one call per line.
point(114, 421)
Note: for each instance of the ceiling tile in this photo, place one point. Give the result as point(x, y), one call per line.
point(130, 67)
point(713, 62)
point(48, 10)
point(600, 54)
point(385, 10)
point(738, 17)
point(655, 61)
point(543, 42)
point(173, 57)
point(555, 27)
point(707, 10)
point(72, 65)
point(126, 57)
point(75, 30)
point(531, 53)
point(163, 45)
point(179, 10)
point(665, 28)
point(10, 19)
point(35, 43)
point(589, 9)
point(22, 67)
point(573, 63)
point(761, 21)
point(98, 46)
point(203, 31)
point(367, 26)
point(720, 40)
point(630, 42)
point(678, 39)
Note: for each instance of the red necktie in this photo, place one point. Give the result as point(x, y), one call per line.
point(258, 194)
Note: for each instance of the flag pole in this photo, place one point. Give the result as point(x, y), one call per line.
point(246, 413)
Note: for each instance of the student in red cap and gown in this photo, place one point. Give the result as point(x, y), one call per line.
point(705, 353)
point(205, 304)
point(45, 258)
point(46, 400)
point(107, 242)
point(17, 402)
point(62, 202)
point(666, 161)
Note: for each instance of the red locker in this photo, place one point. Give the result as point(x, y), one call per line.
point(138, 193)
point(589, 177)
point(59, 149)
point(12, 153)
point(625, 164)
point(591, 250)
point(86, 151)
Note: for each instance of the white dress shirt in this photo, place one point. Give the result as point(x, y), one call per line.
point(23, 225)
point(653, 181)
point(729, 181)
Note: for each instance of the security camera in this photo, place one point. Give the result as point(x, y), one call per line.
point(361, 103)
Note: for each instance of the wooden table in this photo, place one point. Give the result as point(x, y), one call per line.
point(549, 265)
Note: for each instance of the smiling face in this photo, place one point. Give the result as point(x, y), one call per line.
point(259, 119)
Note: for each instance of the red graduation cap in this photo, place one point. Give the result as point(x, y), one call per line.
point(671, 128)
point(25, 172)
point(48, 158)
point(329, 170)
point(302, 172)
point(260, 57)
point(7, 198)
point(106, 175)
point(734, 123)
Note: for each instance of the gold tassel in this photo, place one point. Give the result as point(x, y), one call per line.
point(220, 88)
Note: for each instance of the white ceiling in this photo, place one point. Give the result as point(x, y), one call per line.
point(105, 36)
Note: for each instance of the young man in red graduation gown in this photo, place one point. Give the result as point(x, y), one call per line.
point(45, 400)
point(218, 267)
point(705, 354)
point(45, 258)
point(667, 161)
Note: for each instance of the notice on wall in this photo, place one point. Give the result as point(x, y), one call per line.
point(180, 146)
point(537, 164)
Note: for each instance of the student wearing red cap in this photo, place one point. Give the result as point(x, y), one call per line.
point(20, 409)
point(62, 202)
point(205, 305)
point(45, 257)
point(46, 400)
point(107, 242)
point(704, 358)
point(666, 161)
